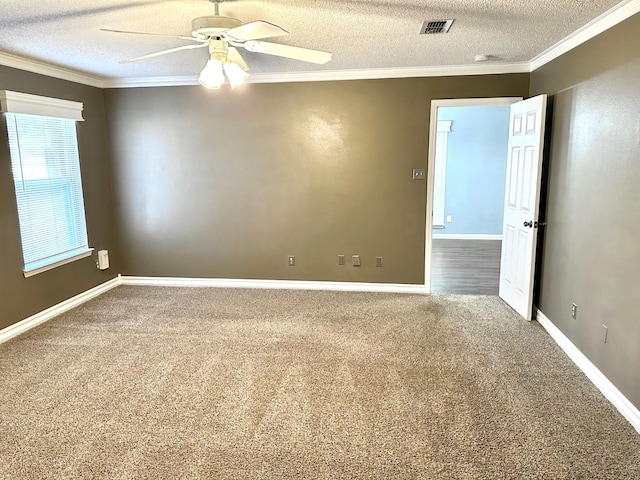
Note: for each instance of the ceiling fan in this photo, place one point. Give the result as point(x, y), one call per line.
point(221, 35)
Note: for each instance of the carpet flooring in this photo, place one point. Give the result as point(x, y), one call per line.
point(167, 383)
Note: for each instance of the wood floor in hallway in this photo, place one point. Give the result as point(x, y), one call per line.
point(465, 266)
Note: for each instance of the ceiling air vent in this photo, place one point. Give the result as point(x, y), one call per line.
point(431, 27)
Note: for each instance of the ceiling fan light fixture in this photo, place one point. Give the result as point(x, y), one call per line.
point(222, 35)
point(212, 76)
point(235, 74)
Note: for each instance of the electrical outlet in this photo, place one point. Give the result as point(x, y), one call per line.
point(340, 259)
point(355, 260)
point(449, 220)
point(418, 174)
point(292, 261)
point(574, 310)
point(604, 333)
point(378, 261)
point(103, 259)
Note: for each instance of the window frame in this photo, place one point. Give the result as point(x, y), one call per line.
point(25, 104)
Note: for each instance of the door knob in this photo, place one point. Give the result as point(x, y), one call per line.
point(529, 224)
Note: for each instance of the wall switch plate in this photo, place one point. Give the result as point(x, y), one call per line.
point(418, 174)
point(449, 219)
point(340, 259)
point(574, 310)
point(604, 333)
point(292, 261)
point(103, 259)
point(355, 260)
point(378, 261)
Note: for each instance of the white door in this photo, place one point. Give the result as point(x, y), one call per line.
point(522, 197)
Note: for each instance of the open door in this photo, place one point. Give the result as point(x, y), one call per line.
point(522, 198)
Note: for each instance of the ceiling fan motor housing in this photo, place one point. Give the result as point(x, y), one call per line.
point(218, 50)
point(212, 26)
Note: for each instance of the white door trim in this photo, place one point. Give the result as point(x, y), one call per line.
point(433, 126)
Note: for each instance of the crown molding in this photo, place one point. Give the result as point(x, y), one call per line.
point(135, 82)
point(333, 75)
point(608, 19)
point(43, 68)
point(405, 72)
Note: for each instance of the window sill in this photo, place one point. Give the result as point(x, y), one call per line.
point(36, 271)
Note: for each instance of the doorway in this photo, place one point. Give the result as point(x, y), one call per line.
point(466, 183)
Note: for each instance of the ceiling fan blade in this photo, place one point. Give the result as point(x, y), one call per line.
point(234, 56)
point(255, 30)
point(287, 51)
point(164, 52)
point(181, 37)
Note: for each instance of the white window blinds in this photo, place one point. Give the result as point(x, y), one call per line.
point(46, 174)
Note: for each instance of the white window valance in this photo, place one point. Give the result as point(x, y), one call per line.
point(24, 103)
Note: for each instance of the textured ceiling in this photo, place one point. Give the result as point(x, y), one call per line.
point(361, 34)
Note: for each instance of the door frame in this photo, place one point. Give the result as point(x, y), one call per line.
point(433, 132)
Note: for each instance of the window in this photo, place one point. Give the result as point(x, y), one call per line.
point(444, 127)
point(46, 175)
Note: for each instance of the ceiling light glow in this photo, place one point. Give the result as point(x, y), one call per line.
point(212, 76)
point(235, 74)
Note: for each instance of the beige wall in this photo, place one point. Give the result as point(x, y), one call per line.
point(22, 297)
point(591, 252)
point(229, 183)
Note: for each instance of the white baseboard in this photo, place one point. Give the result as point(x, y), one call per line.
point(41, 317)
point(608, 389)
point(466, 236)
point(274, 284)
